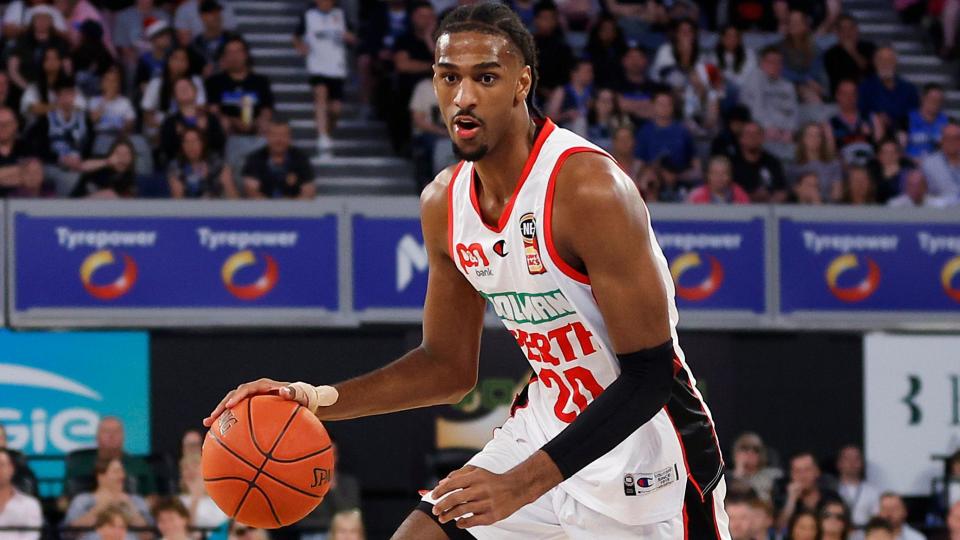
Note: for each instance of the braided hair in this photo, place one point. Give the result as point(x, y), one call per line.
point(496, 19)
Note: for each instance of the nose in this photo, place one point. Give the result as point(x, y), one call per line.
point(466, 96)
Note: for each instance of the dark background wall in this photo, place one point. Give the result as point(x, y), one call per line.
point(798, 390)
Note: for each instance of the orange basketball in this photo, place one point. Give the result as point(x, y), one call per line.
point(267, 462)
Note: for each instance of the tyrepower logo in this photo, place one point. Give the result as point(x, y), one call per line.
point(688, 263)
point(869, 281)
point(248, 274)
point(105, 274)
point(105, 259)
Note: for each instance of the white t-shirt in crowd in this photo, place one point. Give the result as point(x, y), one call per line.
point(116, 113)
point(863, 500)
point(323, 32)
point(151, 95)
point(208, 513)
point(21, 511)
point(32, 95)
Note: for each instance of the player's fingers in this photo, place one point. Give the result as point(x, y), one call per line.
point(208, 421)
point(450, 484)
point(457, 512)
point(462, 470)
point(475, 520)
point(444, 507)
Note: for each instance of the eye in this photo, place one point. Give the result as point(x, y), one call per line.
point(449, 78)
point(488, 78)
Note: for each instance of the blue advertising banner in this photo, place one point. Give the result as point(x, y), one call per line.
point(716, 265)
point(869, 267)
point(175, 262)
point(57, 386)
point(389, 263)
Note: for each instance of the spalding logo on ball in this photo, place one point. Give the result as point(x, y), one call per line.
point(267, 462)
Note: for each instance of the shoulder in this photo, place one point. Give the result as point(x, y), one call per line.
point(433, 199)
point(590, 182)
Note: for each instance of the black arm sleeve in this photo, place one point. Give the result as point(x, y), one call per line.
point(635, 397)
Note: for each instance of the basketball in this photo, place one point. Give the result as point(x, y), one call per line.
point(267, 462)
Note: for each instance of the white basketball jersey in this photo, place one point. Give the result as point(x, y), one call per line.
point(550, 309)
point(323, 32)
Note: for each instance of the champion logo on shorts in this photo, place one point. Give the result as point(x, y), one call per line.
point(642, 483)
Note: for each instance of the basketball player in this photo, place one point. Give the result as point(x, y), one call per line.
point(610, 439)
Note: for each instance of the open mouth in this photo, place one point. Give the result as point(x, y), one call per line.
point(466, 127)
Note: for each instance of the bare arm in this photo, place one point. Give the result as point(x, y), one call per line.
point(226, 180)
point(308, 191)
point(13, 68)
point(251, 187)
point(443, 368)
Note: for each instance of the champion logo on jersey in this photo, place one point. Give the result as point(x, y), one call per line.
point(528, 229)
point(500, 248)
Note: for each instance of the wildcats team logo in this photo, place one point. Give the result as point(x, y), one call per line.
point(528, 229)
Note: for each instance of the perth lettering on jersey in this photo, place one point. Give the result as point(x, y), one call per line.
point(241, 240)
point(530, 307)
point(933, 243)
point(846, 243)
point(72, 239)
point(549, 347)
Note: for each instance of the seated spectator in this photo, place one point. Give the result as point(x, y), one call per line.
point(38, 99)
point(635, 91)
point(91, 59)
point(23, 477)
point(771, 98)
point(347, 525)
point(733, 59)
point(158, 98)
point(241, 98)
point(151, 62)
point(915, 193)
point(727, 142)
point(110, 439)
point(278, 170)
point(803, 493)
point(172, 519)
point(197, 18)
point(740, 513)
point(666, 142)
point(191, 443)
point(16, 508)
point(806, 190)
point(942, 168)
point(862, 498)
point(110, 177)
point(21, 172)
point(189, 114)
point(887, 171)
point(718, 187)
point(10, 93)
point(238, 531)
point(679, 66)
point(431, 141)
point(134, 27)
point(605, 49)
point(79, 13)
point(85, 508)
point(757, 171)
point(894, 511)
point(925, 125)
point(851, 58)
point(62, 137)
point(197, 173)
point(322, 37)
point(16, 18)
point(803, 525)
point(834, 521)
point(763, 520)
point(413, 62)
point(603, 118)
point(569, 104)
point(624, 152)
point(209, 38)
point(854, 132)
point(886, 93)
point(111, 524)
point(858, 188)
point(815, 153)
point(802, 64)
point(553, 52)
point(111, 112)
point(878, 529)
point(27, 57)
point(193, 494)
point(750, 465)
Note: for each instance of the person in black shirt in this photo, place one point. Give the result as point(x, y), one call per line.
point(850, 58)
point(727, 142)
point(62, 138)
point(413, 62)
point(758, 172)
point(20, 171)
point(242, 99)
point(635, 90)
point(112, 176)
point(208, 45)
point(553, 53)
point(27, 57)
point(278, 170)
point(189, 115)
point(605, 48)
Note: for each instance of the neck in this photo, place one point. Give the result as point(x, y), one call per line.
point(928, 115)
point(831, 536)
point(850, 478)
point(952, 158)
point(278, 154)
point(6, 492)
point(663, 122)
point(720, 191)
point(239, 74)
point(500, 169)
point(188, 110)
point(752, 153)
point(210, 33)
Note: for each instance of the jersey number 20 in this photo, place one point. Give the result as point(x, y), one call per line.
point(569, 388)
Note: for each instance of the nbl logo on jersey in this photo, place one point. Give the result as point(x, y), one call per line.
point(528, 230)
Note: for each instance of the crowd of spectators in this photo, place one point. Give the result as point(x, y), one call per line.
point(109, 494)
point(106, 99)
point(804, 109)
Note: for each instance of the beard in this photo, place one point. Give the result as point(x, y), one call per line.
point(476, 155)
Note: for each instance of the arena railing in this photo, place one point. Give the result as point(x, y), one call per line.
point(343, 262)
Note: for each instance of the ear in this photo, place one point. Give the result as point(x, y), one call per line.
point(524, 82)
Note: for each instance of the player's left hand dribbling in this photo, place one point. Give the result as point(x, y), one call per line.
point(489, 497)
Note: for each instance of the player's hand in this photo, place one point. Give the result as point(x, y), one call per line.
point(489, 497)
point(260, 386)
